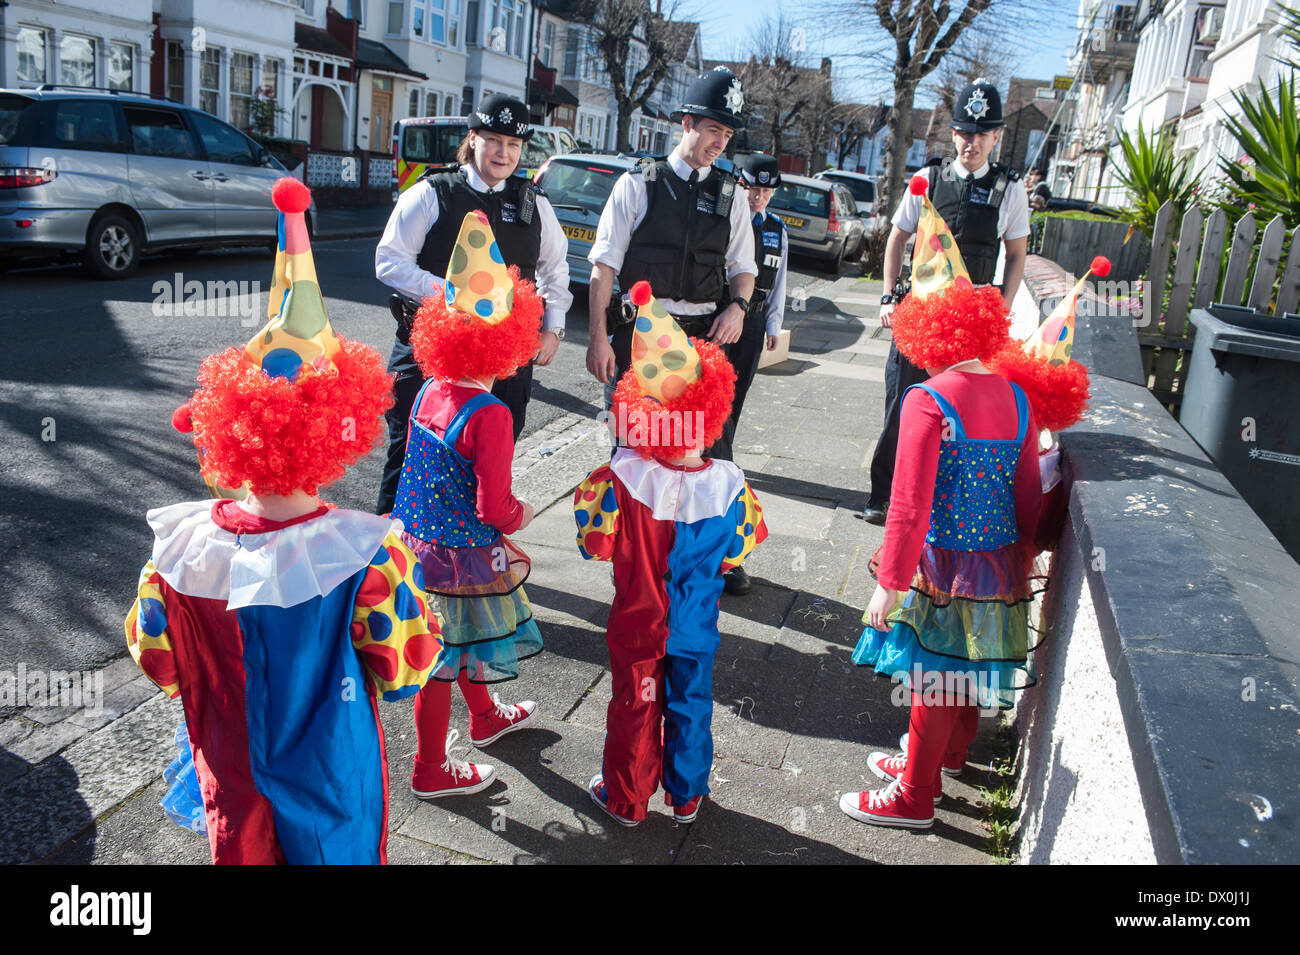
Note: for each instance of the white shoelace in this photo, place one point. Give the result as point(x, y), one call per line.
point(453, 766)
point(505, 711)
point(881, 798)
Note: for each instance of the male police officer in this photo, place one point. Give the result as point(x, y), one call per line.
point(413, 254)
point(985, 210)
point(676, 223)
point(761, 176)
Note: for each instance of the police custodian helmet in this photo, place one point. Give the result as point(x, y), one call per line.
point(977, 108)
point(502, 114)
point(760, 170)
point(715, 95)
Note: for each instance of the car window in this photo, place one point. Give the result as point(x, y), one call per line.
point(862, 189)
point(83, 124)
point(224, 143)
point(567, 144)
point(431, 144)
point(11, 110)
point(844, 204)
point(536, 151)
point(803, 200)
point(585, 184)
point(159, 132)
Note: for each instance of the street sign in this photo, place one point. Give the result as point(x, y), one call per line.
point(1062, 82)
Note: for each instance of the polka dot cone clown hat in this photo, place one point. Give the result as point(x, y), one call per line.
point(665, 361)
point(297, 333)
point(477, 280)
point(1054, 339)
point(936, 262)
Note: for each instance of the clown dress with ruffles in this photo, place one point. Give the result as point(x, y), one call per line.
point(965, 619)
point(473, 574)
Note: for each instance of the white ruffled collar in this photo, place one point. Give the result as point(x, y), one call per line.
point(279, 568)
point(674, 494)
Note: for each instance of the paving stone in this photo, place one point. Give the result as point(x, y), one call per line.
point(13, 729)
point(131, 694)
point(119, 672)
point(45, 741)
point(11, 767)
point(137, 832)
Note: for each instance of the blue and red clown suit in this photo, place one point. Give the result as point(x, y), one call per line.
point(671, 533)
point(277, 636)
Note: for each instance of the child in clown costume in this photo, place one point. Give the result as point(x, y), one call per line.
point(455, 502)
point(277, 619)
point(672, 523)
point(950, 613)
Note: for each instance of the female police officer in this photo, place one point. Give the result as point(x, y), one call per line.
point(416, 246)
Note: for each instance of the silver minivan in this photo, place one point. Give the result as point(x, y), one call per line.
point(110, 175)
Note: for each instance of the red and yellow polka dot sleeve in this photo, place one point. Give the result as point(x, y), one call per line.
point(750, 529)
point(393, 627)
point(146, 633)
point(595, 508)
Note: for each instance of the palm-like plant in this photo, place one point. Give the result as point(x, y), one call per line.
point(1153, 174)
point(1289, 21)
point(1267, 176)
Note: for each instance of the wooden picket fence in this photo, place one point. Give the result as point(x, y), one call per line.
point(1164, 332)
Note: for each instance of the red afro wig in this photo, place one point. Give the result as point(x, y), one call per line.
point(683, 425)
point(957, 324)
point(283, 436)
point(450, 344)
point(1057, 393)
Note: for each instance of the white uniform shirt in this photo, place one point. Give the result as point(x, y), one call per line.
point(415, 214)
point(774, 309)
point(1013, 213)
point(625, 210)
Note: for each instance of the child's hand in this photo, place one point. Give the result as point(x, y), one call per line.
point(528, 516)
point(882, 603)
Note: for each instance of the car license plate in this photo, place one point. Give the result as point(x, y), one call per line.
point(793, 222)
point(580, 233)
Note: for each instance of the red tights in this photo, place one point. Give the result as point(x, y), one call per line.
point(433, 715)
point(937, 736)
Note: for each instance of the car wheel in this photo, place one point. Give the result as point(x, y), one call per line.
point(112, 248)
point(835, 261)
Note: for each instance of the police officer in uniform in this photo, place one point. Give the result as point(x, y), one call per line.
point(761, 176)
point(416, 247)
point(678, 224)
point(987, 210)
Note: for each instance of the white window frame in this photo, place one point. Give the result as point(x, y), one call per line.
point(168, 47)
point(401, 17)
point(94, 58)
point(234, 96)
point(44, 55)
point(216, 92)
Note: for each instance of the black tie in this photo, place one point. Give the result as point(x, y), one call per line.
point(695, 178)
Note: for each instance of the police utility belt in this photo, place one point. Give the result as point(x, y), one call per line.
point(622, 313)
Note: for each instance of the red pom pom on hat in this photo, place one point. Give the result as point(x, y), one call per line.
point(181, 419)
point(918, 185)
point(640, 293)
point(1100, 266)
point(290, 195)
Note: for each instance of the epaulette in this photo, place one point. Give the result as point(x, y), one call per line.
point(1012, 174)
point(648, 167)
point(438, 170)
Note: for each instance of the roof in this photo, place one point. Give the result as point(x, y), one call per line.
point(373, 55)
point(318, 41)
point(1021, 92)
point(680, 34)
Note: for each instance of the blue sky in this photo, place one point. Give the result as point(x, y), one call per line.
point(726, 25)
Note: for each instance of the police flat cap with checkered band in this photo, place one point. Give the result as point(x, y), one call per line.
point(502, 114)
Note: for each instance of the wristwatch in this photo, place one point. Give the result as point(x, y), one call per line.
point(886, 300)
point(557, 332)
point(741, 301)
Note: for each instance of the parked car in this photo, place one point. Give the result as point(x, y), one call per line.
point(110, 175)
point(821, 218)
point(861, 185)
point(577, 185)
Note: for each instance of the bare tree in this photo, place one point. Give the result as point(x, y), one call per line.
point(624, 33)
point(817, 119)
point(979, 54)
point(920, 33)
point(776, 87)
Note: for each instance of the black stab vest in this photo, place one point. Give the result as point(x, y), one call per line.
point(680, 247)
point(520, 242)
point(971, 211)
point(767, 251)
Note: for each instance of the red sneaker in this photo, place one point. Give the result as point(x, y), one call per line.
point(454, 778)
point(501, 719)
point(596, 789)
point(890, 768)
point(895, 805)
point(687, 811)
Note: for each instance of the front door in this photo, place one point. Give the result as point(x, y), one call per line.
point(381, 116)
